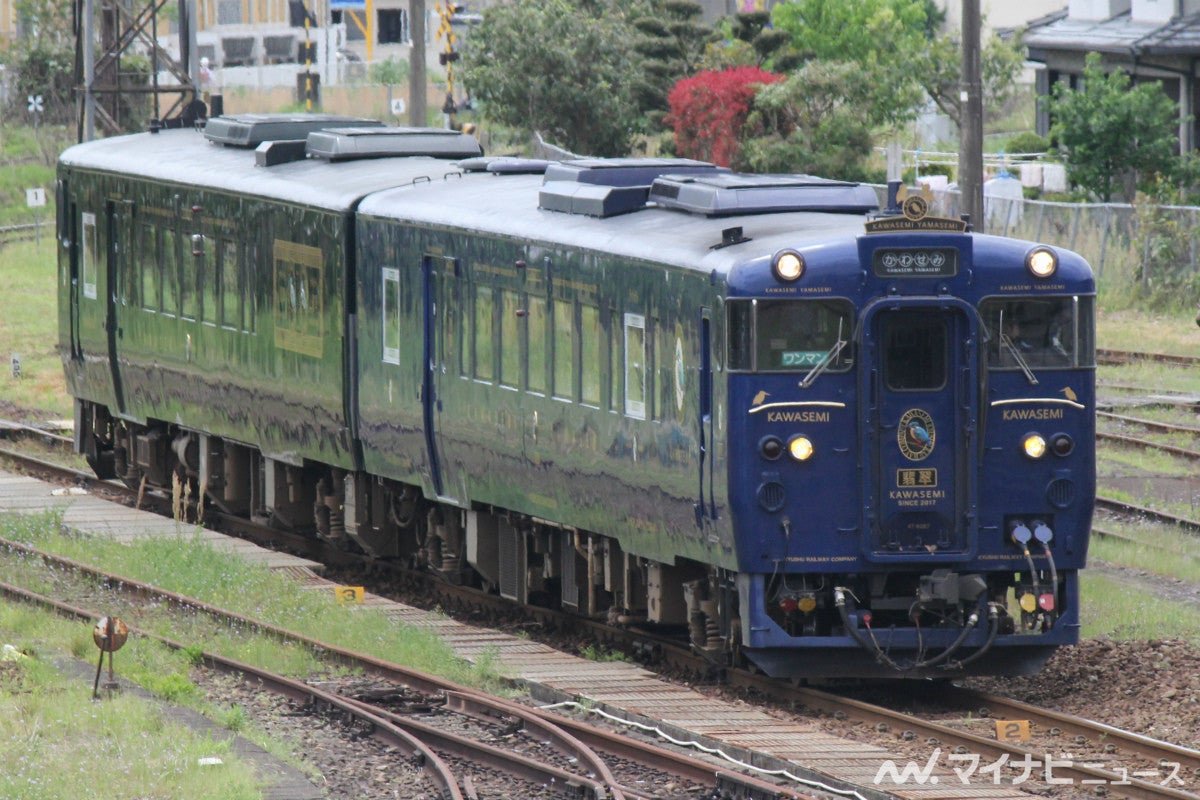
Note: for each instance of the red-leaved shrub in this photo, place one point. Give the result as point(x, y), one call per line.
point(709, 109)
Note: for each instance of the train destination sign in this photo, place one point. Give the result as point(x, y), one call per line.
point(915, 262)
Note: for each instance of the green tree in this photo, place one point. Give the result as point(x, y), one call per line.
point(559, 67)
point(390, 72)
point(41, 58)
point(670, 42)
point(939, 70)
point(855, 30)
point(746, 39)
point(881, 36)
point(1115, 138)
point(817, 121)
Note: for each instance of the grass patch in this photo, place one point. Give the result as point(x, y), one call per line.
point(55, 741)
point(1159, 549)
point(595, 652)
point(1117, 459)
point(29, 328)
point(1162, 378)
point(1148, 331)
point(28, 160)
point(189, 565)
point(1112, 608)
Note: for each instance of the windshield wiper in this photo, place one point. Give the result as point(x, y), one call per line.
point(826, 360)
point(1015, 352)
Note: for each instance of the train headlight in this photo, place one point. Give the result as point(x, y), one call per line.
point(1034, 445)
point(1041, 262)
point(800, 448)
point(788, 265)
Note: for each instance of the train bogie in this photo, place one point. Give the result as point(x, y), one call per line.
point(650, 391)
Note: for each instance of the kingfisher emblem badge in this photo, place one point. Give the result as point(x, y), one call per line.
point(916, 435)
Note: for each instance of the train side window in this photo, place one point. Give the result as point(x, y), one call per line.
point(740, 326)
point(128, 255)
point(635, 365)
point(510, 338)
point(148, 263)
point(191, 279)
point(298, 272)
point(454, 323)
point(210, 277)
point(590, 339)
point(535, 330)
point(664, 369)
point(915, 353)
point(249, 271)
point(484, 369)
point(390, 315)
point(564, 349)
point(91, 252)
point(612, 363)
point(170, 272)
point(230, 288)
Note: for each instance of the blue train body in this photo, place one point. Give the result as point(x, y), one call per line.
point(830, 441)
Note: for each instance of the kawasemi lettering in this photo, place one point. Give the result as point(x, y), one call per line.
point(797, 416)
point(1032, 413)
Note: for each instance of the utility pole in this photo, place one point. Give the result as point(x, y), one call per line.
point(970, 158)
point(417, 102)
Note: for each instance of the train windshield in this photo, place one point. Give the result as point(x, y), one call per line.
point(1027, 333)
point(807, 336)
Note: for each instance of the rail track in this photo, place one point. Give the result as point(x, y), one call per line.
point(1185, 431)
point(943, 736)
point(1150, 425)
point(1109, 357)
point(1124, 508)
point(553, 751)
point(24, 233)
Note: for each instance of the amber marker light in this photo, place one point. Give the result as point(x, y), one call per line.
point(1041, 262)
point(1034, 445)
point(788, 266)
point(800, 448)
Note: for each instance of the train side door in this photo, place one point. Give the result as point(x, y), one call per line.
point(440, 351)
point(918, 366)
point(706, 505)
point(70, 236)
point(119, 269)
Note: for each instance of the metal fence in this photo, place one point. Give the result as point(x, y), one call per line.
point(1113, 237)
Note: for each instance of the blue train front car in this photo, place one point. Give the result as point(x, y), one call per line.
point(911, 432)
